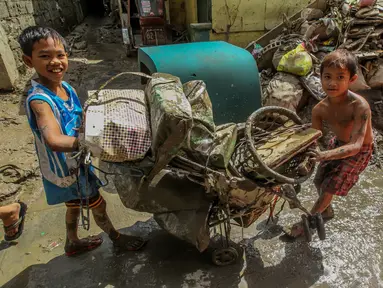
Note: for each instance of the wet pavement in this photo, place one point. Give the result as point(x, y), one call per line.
point(351, 256)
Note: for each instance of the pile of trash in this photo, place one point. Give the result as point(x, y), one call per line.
point(290, 64)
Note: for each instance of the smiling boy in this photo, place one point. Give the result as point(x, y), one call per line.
point(55, 116)
point(349, 117)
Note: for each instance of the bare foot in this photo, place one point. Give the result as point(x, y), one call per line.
point(14, 211)
point(328, 214)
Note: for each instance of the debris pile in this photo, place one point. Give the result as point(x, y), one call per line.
point(290, 64)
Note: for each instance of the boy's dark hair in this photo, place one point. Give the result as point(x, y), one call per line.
point(33, 34)
point(342, 59)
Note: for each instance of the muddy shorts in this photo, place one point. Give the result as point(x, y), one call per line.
point(94, 202)
point(337, 177)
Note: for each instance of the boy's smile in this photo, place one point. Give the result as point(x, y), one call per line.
point(336, 81)
point(49, 60)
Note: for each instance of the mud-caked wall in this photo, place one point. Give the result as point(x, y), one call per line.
point(15, 15)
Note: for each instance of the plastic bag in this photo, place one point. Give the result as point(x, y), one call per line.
point(298, 61)
point(376, 80)
point(360, 83)
point(284, 49)
point(170, 112)
point(201, 136)
point(205, 141)
point(119, 126)
point(257, 51)
point(313, 85)
point(284, 90)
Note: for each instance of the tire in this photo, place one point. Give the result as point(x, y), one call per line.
point(225, 256)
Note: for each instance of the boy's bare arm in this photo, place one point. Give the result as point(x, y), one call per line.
point(362, 117)
point(316, 117)
point(50, 129)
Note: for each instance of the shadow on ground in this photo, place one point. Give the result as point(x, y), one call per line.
point(169, 262)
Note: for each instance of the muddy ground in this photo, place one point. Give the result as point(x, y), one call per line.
point(351, 256)
point(96, 55)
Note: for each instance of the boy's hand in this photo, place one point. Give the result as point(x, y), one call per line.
point(316, 155)
point(95, 150)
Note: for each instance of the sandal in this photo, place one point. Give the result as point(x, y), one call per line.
point(128, 243)
point(18, 224)
point(85, 245)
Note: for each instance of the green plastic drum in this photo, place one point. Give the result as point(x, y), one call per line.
point(230, 73)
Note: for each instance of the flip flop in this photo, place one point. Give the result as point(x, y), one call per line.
point(18, 224)
point(74, 249)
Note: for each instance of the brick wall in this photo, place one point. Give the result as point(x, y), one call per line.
point(16, 15)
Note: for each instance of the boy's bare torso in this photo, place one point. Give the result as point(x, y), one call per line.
point(341, 117)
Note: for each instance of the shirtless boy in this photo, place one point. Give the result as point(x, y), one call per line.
point(349, 118)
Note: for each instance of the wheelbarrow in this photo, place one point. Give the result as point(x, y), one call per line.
point(195, 194)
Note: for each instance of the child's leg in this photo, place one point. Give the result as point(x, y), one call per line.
point(73, 244)
point(328, 213)
point(9, 214)
point(323, 203)
point(103, 221)
point(320, 206)
point(71, 221)
point(121, 241)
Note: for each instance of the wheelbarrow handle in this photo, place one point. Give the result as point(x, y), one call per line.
point(95, 94)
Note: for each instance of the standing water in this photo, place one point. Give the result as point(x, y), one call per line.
point(351, 255)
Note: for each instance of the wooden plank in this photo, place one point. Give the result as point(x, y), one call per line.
point(274, 152)
point(120, 14)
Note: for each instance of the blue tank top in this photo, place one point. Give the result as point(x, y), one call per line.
point(57, 167)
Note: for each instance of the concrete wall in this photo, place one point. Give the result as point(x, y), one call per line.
point(240, 22)
point(8, 68)
point(15, 15)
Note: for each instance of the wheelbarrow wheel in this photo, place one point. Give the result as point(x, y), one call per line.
point(320, 226)
point(256, 118)
point(306, 228)
point(225, 256)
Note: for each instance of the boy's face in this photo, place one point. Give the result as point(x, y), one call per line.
point(335, 81)
point(49, 60)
